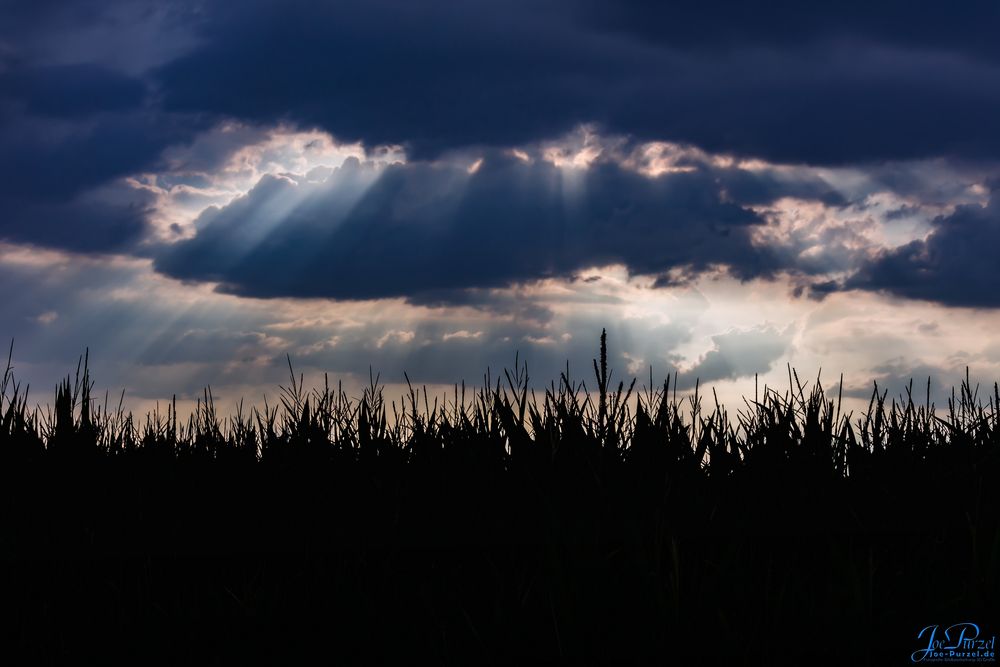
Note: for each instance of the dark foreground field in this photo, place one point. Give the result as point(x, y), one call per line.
point(497, 527)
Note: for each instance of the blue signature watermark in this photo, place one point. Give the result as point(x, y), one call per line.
point(961, 642)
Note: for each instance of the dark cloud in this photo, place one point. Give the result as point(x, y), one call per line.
point(59, 193)
point(795, 83)
point(902, 212)
point(704, 24)
point(83, 224)
point(77, 114)
point(764, 186)
point(738, 354)
point(70, 90)
point(955, 265)
point(820, 290)
point(91, 92)
point(423, 230)
point(126, 35)
point(60, 177)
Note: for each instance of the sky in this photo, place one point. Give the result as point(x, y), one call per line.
point(197, 192)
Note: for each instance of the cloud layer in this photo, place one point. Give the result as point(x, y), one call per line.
point(955, 264)
point(202, 188)
point(420, 229)
point(821, 85)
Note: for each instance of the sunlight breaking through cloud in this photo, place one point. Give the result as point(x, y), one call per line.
point(281, 194)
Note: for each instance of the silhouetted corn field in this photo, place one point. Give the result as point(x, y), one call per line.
point(504, 524)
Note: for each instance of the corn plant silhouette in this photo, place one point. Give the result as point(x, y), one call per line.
point(502, 523)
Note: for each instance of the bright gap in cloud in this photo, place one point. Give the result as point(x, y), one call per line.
point(228, 161)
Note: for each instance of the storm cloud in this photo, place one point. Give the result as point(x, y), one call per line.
point(800, 84)
point(96, 92)
point(418, 230)
point(736, 354)
point(955, 264)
